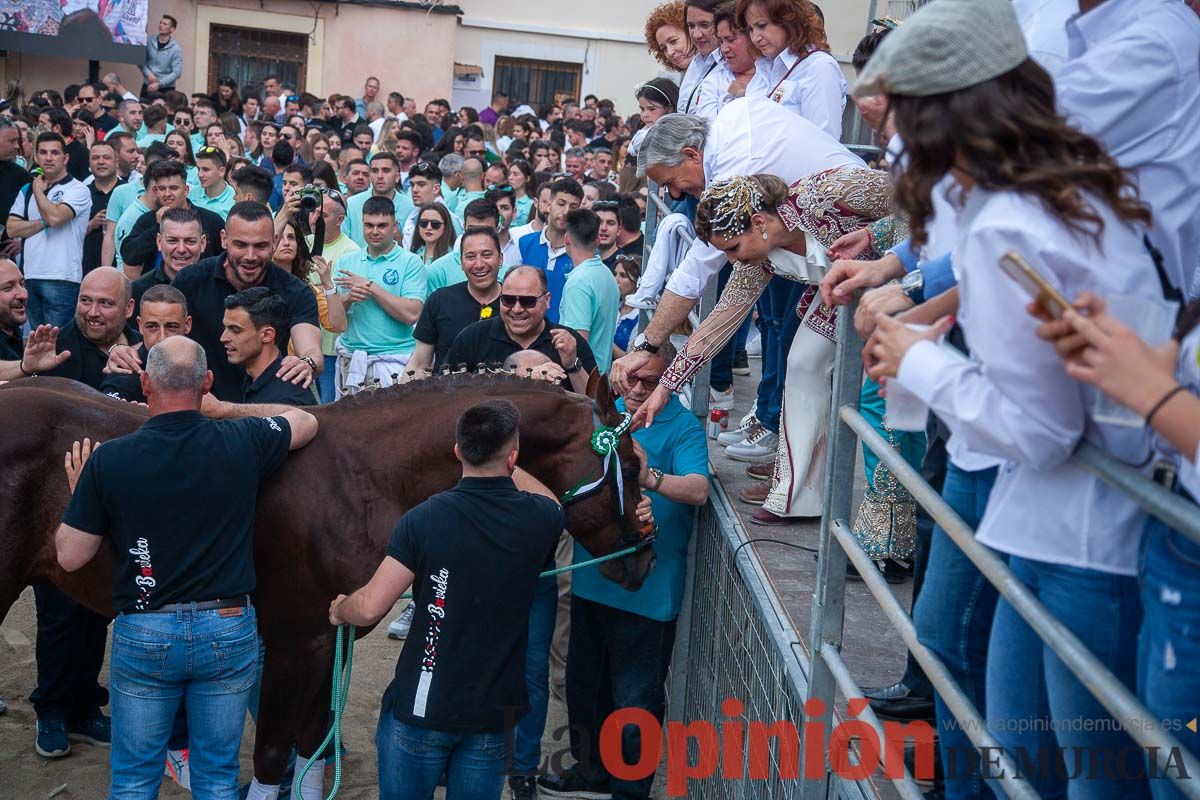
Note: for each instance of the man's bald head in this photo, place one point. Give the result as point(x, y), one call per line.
point(109, 278)
point(105, 305)
point(523, 360)
point(176, 366)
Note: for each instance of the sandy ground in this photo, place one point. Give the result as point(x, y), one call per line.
point(83, 775)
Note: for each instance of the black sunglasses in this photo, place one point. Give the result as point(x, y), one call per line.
point(527, 301)
point(181, 120)
point(605, 205)
point(108, 108)
point(435, 224)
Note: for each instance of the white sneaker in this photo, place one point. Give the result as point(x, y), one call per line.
point(738, 435)
point(401, 625)
point(754, 346)
point(760, 444)
point(179, 768)
point(720, 399)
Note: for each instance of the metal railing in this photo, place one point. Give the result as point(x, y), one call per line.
point(829, 672)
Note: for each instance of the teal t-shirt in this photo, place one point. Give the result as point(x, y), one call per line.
point(122, 198)
point(197, 141)
point(521, 211)
point(453, 199)
point(591, 302)
point(352, 224)
point(218, 205)
point(125, 224)
point(445, 271)
point(369, 327)
point(676, 444)
point(150, 139)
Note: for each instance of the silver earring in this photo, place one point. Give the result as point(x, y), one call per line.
point(764, 233)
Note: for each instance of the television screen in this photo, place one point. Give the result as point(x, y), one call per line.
point(100, 30)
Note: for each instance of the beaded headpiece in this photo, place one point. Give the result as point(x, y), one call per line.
point(732, 201)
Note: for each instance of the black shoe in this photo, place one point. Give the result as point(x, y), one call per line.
point(521, 787)
point(741, 363)
point(898, 703)
point(574, 783)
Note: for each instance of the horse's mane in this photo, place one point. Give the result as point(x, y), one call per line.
point(453, 382)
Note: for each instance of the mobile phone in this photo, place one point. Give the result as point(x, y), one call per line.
point(1029, 279)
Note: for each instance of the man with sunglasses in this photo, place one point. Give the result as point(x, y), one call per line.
point(522, 325)
point(183, 122)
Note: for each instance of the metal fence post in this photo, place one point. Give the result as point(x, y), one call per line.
point(829, 596)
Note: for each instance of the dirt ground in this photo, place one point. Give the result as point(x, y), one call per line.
point(83, 775)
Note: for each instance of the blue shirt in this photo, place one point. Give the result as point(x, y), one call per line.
point(938, 273)
point(535, 252)
point(675, 443)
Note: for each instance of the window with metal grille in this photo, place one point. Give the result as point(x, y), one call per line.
point(525, 80)
point(248, 55)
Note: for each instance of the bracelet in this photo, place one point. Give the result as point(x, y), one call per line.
point(1162, 402)
point(330, 292)
point(21, 366)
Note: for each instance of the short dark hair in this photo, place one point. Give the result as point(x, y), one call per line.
point(410, 136)
point(167, 168)
point(567, 186)
point(583, 225)
point(303, 170)
point(256, 181)
point(248, 211)
point(50, 136)
point(481, 208)
point(363, 130)
point(154, 114)
point(379, 207)
point(867, 46)
point(59, 118)
point(382, 155)
point(629, 214)
point(213, 154)
point(282, 153)
point(181, 216)
point(264, 306)
point(166, 293)
point(486, 430)
point(115, 138)
point(84, 116)
point(425, 169)
point(174, 22)
point(480, 230)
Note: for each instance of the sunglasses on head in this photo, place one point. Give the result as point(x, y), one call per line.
point(292, 98)
point(527, 301)
point(434, 224)
point(605, 205)
point(503, 187)
point(206, 149)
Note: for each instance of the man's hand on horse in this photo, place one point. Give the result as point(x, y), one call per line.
point(549, 372)
point(644, 513)
point(624, 367)
point(77, 456)
point(39, 350)
point(564, 343)
point(334, 617)
point(123, 360)
point(295, 370)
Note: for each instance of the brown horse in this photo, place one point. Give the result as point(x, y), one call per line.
point(323, 521)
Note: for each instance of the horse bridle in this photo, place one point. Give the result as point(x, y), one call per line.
point(605, 441)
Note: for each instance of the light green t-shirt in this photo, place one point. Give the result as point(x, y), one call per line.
point(125, 224)
point(445, 271)
point(352, 224)
point(591, 302)
point(331, 253)
point(453, 198)
point(218, 205)
point(370, 328)
point(149, 139)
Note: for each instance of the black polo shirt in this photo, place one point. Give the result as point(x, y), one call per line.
point(191, 538)
point(126, 386)
point(464, 546)
point(12, 346)
point(205, 286)
point(270, 388)
point(13, 178)
point(155, 277)
point(87, 361)
point(446, 313)
point(141, 245)
point(635, 247)
point(488, 343)
point(94, 241)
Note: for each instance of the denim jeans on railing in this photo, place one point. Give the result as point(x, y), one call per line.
point(412, 759)
point(527, 738)
point(772, 308)
point(1169, 642)
point(158, 662)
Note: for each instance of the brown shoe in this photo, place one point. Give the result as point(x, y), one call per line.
point(764, 471)
point(764, 517)
point(756, 495)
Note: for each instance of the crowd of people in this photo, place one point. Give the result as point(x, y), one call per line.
point(258, 249)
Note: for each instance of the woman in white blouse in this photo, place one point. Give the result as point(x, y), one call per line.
point(796, 69)
point(1026, 181)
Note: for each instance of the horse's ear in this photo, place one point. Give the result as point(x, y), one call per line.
point(599, 390)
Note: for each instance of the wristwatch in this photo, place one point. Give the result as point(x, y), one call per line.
point(642, 343)
point(913, 285)
point(578, 365)
point(311, 363)
point(658, 476)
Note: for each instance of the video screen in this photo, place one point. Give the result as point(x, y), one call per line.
point(101, 30)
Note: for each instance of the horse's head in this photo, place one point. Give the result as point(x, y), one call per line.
point(609, 510)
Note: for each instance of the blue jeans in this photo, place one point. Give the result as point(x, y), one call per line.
point(325, 381)
point(772, 308)
point(412, 760)
point(527, 740)
point(161, 660)
point(1029, 687)
point(720, 376)
point(953, 618)
point(51, 302)
point(1168, 645)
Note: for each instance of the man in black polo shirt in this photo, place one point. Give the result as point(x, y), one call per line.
point(524, 301)
point(452, 308)
point(13, 178)
point(249, 239)
point(492, 533)
point(102, 315)
point(22, 358)
point(163, 313)
point(181, 243)
point(194, 617)
point(102, 160)
point(254, 318)
point(168, 182)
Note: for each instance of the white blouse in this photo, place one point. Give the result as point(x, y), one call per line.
point(1013, 400)
point(814, 88)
